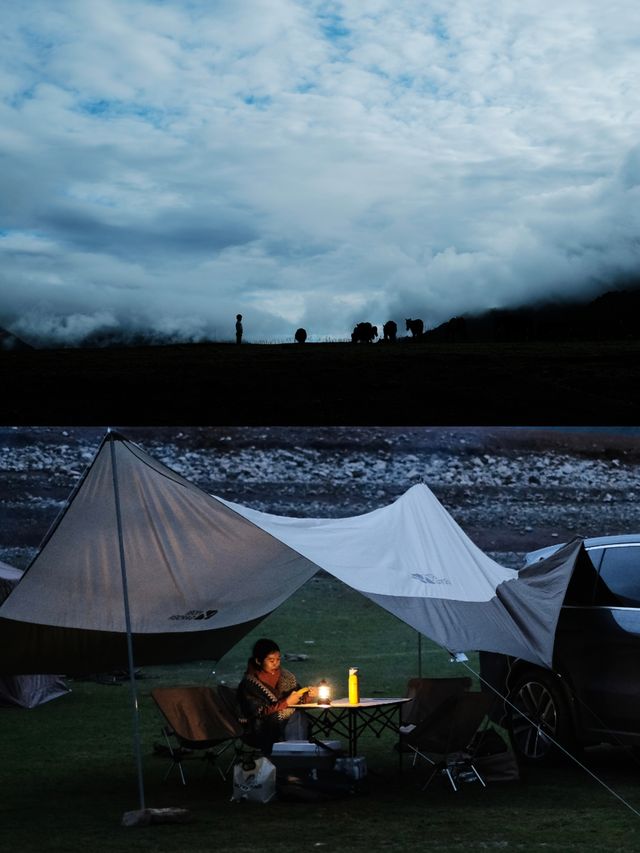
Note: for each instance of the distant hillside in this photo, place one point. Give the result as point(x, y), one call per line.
point(125, 338)
point(9, 341)
point(612, 316)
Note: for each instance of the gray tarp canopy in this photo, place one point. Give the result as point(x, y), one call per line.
point(201, 572)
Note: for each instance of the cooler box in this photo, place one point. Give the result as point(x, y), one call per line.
point(301, 754)
point(355, 768)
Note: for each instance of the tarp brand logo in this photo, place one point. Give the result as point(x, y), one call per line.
point(194, 614)
point(431, 579)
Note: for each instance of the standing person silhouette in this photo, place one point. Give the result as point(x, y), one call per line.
point(238, 328)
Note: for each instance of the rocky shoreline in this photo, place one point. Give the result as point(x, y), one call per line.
point(511, 489)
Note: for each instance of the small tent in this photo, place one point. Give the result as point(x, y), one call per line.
point(25, 691)
point(9, 577)
point(141, 552)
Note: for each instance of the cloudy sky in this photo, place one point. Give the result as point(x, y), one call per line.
point(165, 165)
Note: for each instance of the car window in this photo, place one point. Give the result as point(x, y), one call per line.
point(584, 580)
point(620, 577)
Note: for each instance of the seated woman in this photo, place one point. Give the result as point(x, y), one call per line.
point(268, 695)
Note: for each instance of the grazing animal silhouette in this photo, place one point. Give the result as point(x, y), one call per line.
point(364, 333)
point(390, 330)
point(416, 327)
point(301, 336)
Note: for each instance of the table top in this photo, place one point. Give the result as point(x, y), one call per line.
point(363, 703)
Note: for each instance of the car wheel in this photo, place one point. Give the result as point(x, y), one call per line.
point(539, 718)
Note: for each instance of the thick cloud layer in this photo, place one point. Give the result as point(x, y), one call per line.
point(166, 165)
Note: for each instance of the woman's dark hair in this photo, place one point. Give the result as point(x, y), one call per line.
point(262, 648)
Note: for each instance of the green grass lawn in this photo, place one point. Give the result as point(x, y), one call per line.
point(68, 771)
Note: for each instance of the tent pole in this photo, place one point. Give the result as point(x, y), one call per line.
point(419, 655)
point(127, 617)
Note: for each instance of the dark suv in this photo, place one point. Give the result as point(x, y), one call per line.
point(593, 694)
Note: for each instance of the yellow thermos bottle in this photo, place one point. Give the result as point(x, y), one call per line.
point(354, 690)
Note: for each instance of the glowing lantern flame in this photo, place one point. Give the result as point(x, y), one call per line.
point(324, 693)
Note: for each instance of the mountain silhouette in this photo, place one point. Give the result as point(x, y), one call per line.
point(9, 341)
point(614, 315)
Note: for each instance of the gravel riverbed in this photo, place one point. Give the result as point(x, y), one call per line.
point(511, 489)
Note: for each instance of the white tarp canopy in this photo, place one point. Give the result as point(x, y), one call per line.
point(199, 572)
point(414, 560)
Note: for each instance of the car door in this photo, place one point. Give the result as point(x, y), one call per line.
point(578, 632)
point(604, 643)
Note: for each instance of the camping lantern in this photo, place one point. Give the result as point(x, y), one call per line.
point(324, 693)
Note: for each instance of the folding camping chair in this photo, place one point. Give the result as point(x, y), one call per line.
point(427, 694)
point(444, 738)
point(196, 720)
point(229, 698)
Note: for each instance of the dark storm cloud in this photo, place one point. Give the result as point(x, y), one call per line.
point(178, 235)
